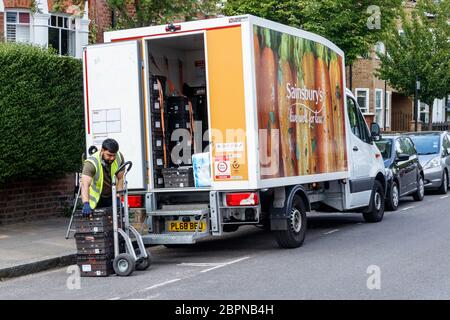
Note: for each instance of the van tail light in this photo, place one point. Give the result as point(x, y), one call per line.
point(242, 199)
point(135, 201)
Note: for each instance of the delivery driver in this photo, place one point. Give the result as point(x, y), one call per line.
point(96, 179)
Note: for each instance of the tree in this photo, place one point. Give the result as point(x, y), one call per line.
point(422, 52)
point(354, 26)
point(142, 13)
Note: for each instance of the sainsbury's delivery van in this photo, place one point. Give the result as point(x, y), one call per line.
point(232, 121)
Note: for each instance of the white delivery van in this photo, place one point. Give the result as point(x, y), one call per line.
point(232, 121)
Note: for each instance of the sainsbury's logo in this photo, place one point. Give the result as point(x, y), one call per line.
point(305, 94)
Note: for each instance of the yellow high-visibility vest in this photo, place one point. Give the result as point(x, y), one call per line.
point(96, 187)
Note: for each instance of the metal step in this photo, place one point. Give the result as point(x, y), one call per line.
point(174, 238)
point(181, 210)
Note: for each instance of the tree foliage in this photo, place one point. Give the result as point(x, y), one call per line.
point(41, 113)
point(142, 13)
point(351, 25)
point(421, 51)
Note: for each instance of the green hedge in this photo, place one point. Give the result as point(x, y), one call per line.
point(41, 113)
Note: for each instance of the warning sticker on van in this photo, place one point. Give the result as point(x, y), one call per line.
point(222, 167)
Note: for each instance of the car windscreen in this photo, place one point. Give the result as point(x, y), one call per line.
point(385, 147)
point(426, 144)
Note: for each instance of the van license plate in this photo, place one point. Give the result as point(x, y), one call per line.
point(179, 226)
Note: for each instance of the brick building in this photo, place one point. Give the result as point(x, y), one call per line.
point(380, 103)
point(67, 29)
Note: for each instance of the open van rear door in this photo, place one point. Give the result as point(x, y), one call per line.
point(113, 102)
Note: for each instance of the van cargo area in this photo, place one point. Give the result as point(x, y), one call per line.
point(178, 105)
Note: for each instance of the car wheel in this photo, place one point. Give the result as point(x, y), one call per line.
point(393, 197)
point(420, 193)
point(444, 186)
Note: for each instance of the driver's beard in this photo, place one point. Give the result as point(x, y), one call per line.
point(107, 161)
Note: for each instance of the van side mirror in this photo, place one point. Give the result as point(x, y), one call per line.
point(375, 131)
point(403, 157)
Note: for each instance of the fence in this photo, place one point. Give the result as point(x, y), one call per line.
point(400, 121)
point(437, 126)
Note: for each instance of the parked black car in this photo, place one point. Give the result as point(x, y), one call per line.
point(404, 174)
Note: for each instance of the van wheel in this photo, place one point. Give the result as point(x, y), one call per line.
point(420, 193)
point(375, 211)
point(444, 186)
point(392, 199)
point(294, 236)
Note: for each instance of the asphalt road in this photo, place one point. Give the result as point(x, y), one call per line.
point(406, 256)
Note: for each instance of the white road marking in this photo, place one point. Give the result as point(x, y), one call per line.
point(3, 236)
point(214, 266)
point(199, 264)
point(407, 208)
point(332, 231)
point(161, 284)
point(224, 264)
point(443, 197)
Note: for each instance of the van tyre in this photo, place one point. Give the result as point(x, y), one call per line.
point(124, 264)
point(420, 193)
point(375, 211)
point(393, 197)
point(294, 236)
point(444, 186)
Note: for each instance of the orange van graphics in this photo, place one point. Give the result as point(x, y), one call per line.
point(300, 93)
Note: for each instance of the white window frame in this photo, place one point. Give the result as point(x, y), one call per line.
point(6, 23)
point(426, 111)
point(364, 109)
point(70, 29)
point(388, 108)
point(381, 108)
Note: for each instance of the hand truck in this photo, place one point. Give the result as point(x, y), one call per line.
point(125, 263)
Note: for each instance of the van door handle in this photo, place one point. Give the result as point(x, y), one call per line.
point(355, 148)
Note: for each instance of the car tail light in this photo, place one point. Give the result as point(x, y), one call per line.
point(135, 201)
point(242, 199)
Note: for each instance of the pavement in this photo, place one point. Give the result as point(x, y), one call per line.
point(35, 246)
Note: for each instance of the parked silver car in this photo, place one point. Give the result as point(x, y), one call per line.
point(433, 149)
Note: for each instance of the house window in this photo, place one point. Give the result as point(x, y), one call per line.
point(379, 107)
point(424, 112)
point(17, 26)
point(388, 108)
point(61, 35)
point(362, 97)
